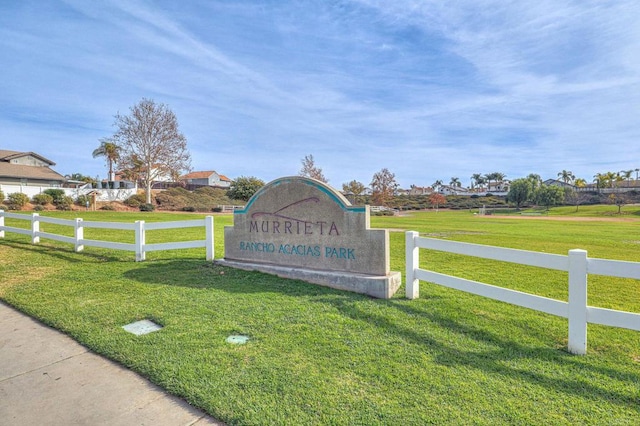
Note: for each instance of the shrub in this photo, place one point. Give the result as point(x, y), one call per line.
point(135, 200)
point(57, 194)
point(189, 209)
point(38, 208)
point(1, 196)
point(107, 207)
point(42, 199)
point(63, 203)
point(216, 209)
point(147, 207)
point(17, 201)
point(82, 200)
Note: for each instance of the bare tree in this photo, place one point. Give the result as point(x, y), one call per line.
point(310, 170)
point(383, 187)
point(150, 140)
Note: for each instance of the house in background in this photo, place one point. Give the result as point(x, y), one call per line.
point(206, 178)
point(452, 190)
point(27, 172)
point(556, 182)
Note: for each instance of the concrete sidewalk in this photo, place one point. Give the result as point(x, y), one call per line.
point(46, 378)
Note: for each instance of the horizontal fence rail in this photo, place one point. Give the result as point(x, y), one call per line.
point(140, 229)
point(576, 263)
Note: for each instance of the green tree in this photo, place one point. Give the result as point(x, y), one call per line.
point(80, 178)
point(580, 183)
point(244, 187)
point(549, 195)
point(478, 179)
point(566, 176)
point(110, 151)
point(150, 136)
point(455, 182)
point(535, 180)
point(600, 180)
point(354, 189)
point(56, 194)
point(626, 174)
point(520, 191)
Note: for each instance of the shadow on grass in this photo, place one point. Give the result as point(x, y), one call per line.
point(67, 254)
point(510, 360)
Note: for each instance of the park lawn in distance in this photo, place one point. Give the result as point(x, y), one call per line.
point(321, 356)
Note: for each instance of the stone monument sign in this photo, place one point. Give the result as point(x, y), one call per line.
point(301, 228)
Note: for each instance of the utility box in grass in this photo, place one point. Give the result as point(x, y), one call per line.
point(304, 229)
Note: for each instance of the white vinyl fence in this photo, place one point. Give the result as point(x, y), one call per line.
point(139, 227)
point(576, 263)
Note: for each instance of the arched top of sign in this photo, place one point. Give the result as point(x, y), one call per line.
point(336, 196)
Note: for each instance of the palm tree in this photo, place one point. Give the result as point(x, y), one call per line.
point(612, 178)
point(437, 184)
point(111, 152)
point(637, 170)
point(599, 180)
point(604, 180)
point(617, 178)
point(497, 176)
point(627, 175)
point(488, 178)
point(566, 176)
point(455, 182)
point(477, 178)
point(580, 183)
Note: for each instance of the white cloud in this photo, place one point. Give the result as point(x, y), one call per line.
point(429, 89)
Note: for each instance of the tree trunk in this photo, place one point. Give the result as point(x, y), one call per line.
point(148, 192)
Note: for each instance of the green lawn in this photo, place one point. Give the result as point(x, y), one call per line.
point(321, 356)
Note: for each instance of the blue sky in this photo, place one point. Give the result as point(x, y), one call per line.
point(428, 89)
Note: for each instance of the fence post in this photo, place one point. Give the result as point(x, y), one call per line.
point(412, 251)
point(1, 223)
point(208, 224)
point(577, 302)
point(140, 254)
point(79, 234)
point(35, 228)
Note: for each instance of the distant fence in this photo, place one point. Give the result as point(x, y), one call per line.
point(577, 264)
point(140, 228)
point(224, 208)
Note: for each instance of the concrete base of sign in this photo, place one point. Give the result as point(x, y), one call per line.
point(381, 287)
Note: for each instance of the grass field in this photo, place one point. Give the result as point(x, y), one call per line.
point(321, 356)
